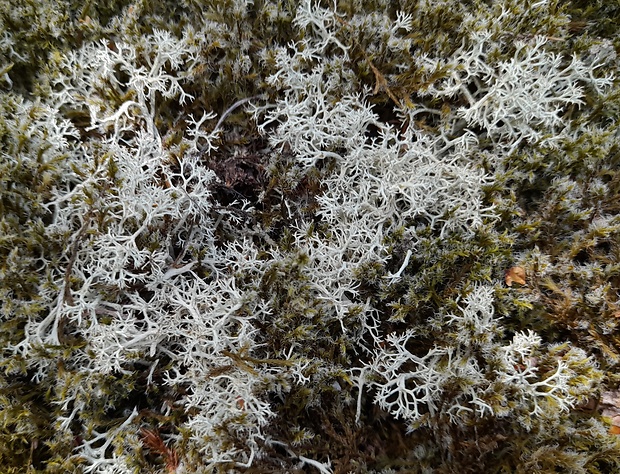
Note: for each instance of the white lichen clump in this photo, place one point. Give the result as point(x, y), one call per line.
point(144, 278)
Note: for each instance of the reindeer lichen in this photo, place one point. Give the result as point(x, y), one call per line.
point(250, 236)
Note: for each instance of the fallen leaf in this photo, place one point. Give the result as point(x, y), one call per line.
point(610, 403)
point(515, 275)
point(609, 406)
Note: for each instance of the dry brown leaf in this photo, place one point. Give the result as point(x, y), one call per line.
point(610, 403)
point(515, 275)
point(609, 406)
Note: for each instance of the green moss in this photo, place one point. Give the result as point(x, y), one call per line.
point(557, 210)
